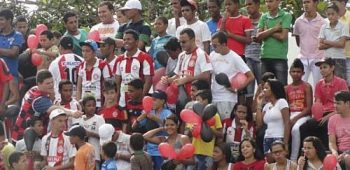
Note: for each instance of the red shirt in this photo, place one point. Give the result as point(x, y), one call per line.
point(325, 92)
point(5, 76)
point(296, 97)
point(113, 116)
point(257, 165)
point(237, 25)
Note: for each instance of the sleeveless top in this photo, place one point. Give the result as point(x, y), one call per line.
point(296, 97)
point(274, 167)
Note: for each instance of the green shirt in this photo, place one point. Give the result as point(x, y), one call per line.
point(271, 47)
point(76, 41)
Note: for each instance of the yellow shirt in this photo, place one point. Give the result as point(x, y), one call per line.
point(203, 148)
point(346, 21)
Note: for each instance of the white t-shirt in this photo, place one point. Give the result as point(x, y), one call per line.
point(230, 64)
point(202, 63)
point(22, 147)
point(68, 149)
point(172, 25)
point(201, 31)
point(273, 118)
point(106, 30)
point(92, 125)
point(72, 105)
point(123, 147)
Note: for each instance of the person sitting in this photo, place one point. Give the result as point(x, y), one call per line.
point(250, 157)
point(279, 154)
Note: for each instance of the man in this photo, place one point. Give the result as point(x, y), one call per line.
point(132, 10)
point(338, 128)
point(107, 48)
point(226, 61)
point(273, 32)
point(306, 30)
point(56, 148)
point(71, 24)
point(48, 51)
point(21, 25)
point(201, 29)
point(173, 48)
point(178, 19)
point(64, 67)
point(36, 125)
point(108, 26)
point(133, 64)
point(214, 12)
point(18, 161)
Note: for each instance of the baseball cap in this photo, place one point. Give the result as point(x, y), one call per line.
point(328, 61)
point(91, 43)
point(106, 132)
point(192, 3)
point(76, 130)
point(66, 42)
point(56, 113)
point(108, 40)
point(158, 94)
point(132, 4)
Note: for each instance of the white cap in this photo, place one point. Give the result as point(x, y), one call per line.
point(56, 113)
point(132, 4)
point(106, 132)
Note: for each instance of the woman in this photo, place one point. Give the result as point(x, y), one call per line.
point(171, 125)
point(222, 157)
point(279, 154)
point(275, 114)
point(314, 154)
point(250, 158)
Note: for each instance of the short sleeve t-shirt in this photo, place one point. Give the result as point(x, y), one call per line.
point(255, 165)
point(92, 124)
point(339, 126)
point(106, 30)
point(172, 25)
point(273, 118)
point(201, 31)
point(141, 27)
point(345, 19)
point(157, 45)
point(81, 37)
point(85, 158)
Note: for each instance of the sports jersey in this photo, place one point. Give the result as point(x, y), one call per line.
point(113, 116)
point(64, 67)
point(92, 124)
point(92, 79)
point(131, 68)
point(106, 30)
point(5, 76)
point(72, 105)
point(133, 109)
point(111, 67)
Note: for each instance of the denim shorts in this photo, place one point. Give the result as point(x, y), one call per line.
point(268, 142)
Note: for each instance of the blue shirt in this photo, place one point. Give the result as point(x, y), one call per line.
point(213, 27)
point(7, 42)
point(110, 164)
point(156, 46)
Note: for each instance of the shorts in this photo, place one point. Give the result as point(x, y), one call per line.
point(224, 108)
point(268, 142)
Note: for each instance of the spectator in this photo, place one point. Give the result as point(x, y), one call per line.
point(109, 151)
point(299, 97)
point(178, 19)
point(279, 154)
point(21, 25)
point(273, 32)
point(222, 157)
point(306, 32)
point(71, 24)
point(134, 106)
point(18, 161)
point(250, 157)
point(6, 149)
point(84, 158)
point(107, 48)
point(56, 38)
point(140, 160)
point(37, 125)
point(214, 12)
point(264, 78)
point(5, 78)
point(121, 18)
point(173, 48)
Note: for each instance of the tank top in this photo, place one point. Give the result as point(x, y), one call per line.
point(274, 167)
point(296, 97)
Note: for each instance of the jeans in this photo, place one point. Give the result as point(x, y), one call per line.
point(279, 67)
point(311, 68)
point(340, 68)
point(268, 142)
point(157, 162)
point(203, 162)
point(255, 67)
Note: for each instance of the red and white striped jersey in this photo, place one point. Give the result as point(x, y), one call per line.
point(64, 67)
point(72, 105)
point(131, 68)
point(111, 67)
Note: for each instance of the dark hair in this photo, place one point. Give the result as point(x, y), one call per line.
point(2, 132)
point(32, 121)
point(21, 18)
point(57, 34)
point(134, 33)
point(342, 96)
point(319, 147)
point(258, 1)
point(68, 15)
point(217, 2)
point(137, 84)
point(226, 150)
point(42, 75)
point(345, 1)
point(7, 14)
point(137, 142)
point(109, 84)
point(221, 36)
point(62, 83)
point(277, 142)
point(173, 118)
point(48, 34)
point(205, 94)
point(109, 149)
point(172, 44)
point(267, 75)
point(189, 32)
point(249, 115)
point(87, 98)
point(200, 84)
point(277, 88)
point(257, 153)
point(14, 158)
point(334, 7)
point(108, 4)
point(163, 19)
point(297, 64)
point(235, 1)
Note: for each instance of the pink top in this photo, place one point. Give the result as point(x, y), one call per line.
point(308, 31)
point(325, 92)
point(339, 126)
point(296, 97)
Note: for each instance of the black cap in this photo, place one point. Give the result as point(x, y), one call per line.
point(76, 130)
point(158, 94)
point(328, 61)
point(108, 40)
point(66, 42)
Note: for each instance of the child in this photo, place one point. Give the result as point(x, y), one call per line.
point(84, 158)
point(48, 51)
point(333, 36)
point(18, 161)
point(110, 111)
point(92, 122)
point(139, 160)
point(37, 125)
point(299, 97)
point(134, 105)
point(279, 154)
point(108, 153)
point(160, 25)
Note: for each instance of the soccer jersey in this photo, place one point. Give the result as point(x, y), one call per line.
point(113, 116)
point(64, 67)
point(92, 124)
point(5, 76)
point(111, 67)
point(72, 105)
point(106, 30)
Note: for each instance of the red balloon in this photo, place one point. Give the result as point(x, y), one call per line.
point(161, 86)
point(39, 29)
point(94, 35)
point(167, 151)
point(186, 151)
point(37, 59)
point(211, 121)
point(158, 75)
point(190, 116)
point(32, 41)
point(196, 130)
point(330, 162)
point(172, 92)
point(238, 80)
point(317, 110)
point(147, 103)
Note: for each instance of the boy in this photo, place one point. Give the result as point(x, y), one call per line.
point(140, 159)
point(109, 151)
point(37, 125)
point(85, 156)
point(299, 97)
point(18, 161)
point(134, 105)
point(48, 51)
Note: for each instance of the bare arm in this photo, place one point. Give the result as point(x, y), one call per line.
point(79, 88)
point(242, 39)
point(206, 45)
point(286, 121)
point(259, 112)
point(14, 92)
point(297, 40)
point(307, 110)
point(333, 145)
point(281, 36)
point(262, 34)
point(150, 135)
point(337, 44)
point(118, 81)
point(147, 85)
point(12, 52)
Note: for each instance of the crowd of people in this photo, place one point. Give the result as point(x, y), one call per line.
point(201, 95)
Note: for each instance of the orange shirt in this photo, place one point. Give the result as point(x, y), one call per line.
point(85, 158)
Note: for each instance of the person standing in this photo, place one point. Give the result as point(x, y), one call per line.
point(108, 27)
point(71, 24)
point(178, 19)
